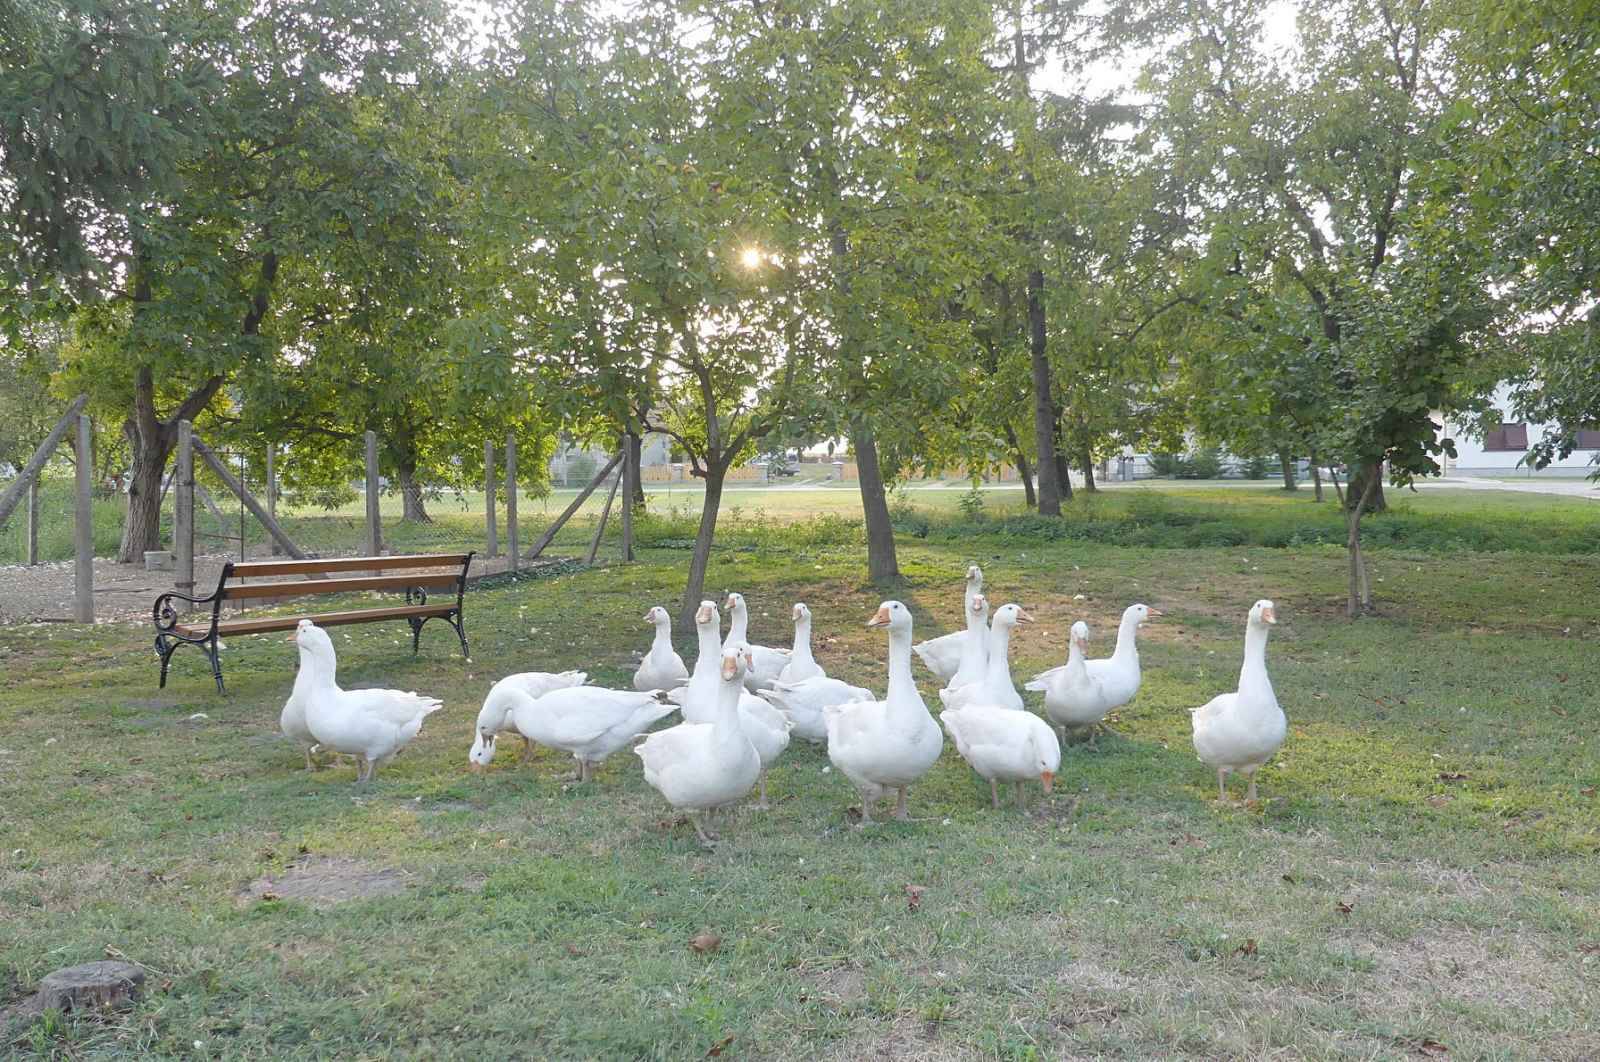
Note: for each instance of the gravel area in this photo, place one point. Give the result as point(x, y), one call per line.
point(124, 592)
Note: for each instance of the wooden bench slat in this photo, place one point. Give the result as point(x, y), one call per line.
point(336, 586)
point(252, 569)
point(326, 619)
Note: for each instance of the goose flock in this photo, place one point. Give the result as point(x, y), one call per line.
point(742, 703)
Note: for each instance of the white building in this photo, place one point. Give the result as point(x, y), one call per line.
point(1500, 452)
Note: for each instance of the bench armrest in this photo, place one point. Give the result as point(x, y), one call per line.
point(166, 617)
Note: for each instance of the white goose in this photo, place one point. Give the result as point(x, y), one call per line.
point(887, 744)
point(371, 725)
point(699, 767)
point(996, 688)
point(1116, 675)
point(1240, 731)
point(1073, 698)
point(589, 722)
point(767, 662)
point(765, 726)
point(974, 644)
point(805, 702)
point(801, 664)
point(662, 668)
point(494, 718)
point(1004, 746)
point(292, 720)
point(942, 655)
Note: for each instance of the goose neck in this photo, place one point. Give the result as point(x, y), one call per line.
point(901, 682)
point(999, 652)
point(663, 639)
point(1253, 673)
point(802, 638)
point(1127, 639)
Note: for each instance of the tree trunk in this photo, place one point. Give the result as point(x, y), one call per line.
point(1286, 462)
point(695, 589)
point(1316, 477)
point(883, 566)
point(141, 528)
point(1361, 476)
point(635, 454)
point(1087, 459)
point(1024, 470)
point(1359, 600)
point(1044, 408)
point(412, 509)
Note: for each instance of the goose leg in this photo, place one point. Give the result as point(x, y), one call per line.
point(762, 803)
point(709, 840)
point(1251, 795)
point(900, 806)
point(527, 750)
point(310, 763)
point(867, 800)
point(1222, 786)
point(1061, 732)
point(1094, 732)
point(1022, 799)
point(994, 794)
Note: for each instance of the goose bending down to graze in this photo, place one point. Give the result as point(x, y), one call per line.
point(1117, 676)
point(662, 668)
point(996, 687)
point(801, 665)
point(700, 767)
point(371, 725)
point(589, 722)
point(767, 663)
point(1240, 731)
point(805, 702)
point(494, 718)
point(944, 655)
point(1073, 698)
point(1003, 745)
point(887, 744)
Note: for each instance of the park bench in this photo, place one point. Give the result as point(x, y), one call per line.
point(175, 628)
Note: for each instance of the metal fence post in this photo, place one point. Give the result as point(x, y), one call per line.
point(83, 527)
point(374, 519)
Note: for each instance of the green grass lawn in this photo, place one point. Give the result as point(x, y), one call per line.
point(1424, 876)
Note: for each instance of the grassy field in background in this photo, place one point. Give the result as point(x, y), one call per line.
point(1423, 877)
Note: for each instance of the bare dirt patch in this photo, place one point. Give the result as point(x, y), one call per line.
point(838, 984)
point(323, 882)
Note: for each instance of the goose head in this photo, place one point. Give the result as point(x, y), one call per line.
point(979, 609)
point(1080, 636)
point(657, 617)
point(892, 614)
point(1263, 613)
point(1011, 615)
point(736, 660)
point(974, 575)
point(734, 603)
point(482, 751)
point(801, 612)
point(706, 615)
point(314, 643)
point(1140, 614)
point(1047, 758)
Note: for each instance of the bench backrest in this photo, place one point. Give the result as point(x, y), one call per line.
point(397, 573)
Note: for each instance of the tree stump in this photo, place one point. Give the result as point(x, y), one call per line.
point(89, 987)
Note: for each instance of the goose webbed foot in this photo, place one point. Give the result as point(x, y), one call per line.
point(994, 794)
point(900, 806)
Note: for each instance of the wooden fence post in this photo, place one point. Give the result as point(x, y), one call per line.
point(41, 455)
point(374, 518)
point(33, 521)
point(272, 491)
point(511, 501)
point(605, 513)
point(83, 527)
point(493, 549)
point(183, 512)
point(566, 514)
point(630, 484)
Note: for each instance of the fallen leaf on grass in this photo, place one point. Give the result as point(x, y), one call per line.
point(1561, 678)
point(1439, 800)
point(1559, 710)
point(1452, 776)
point(914, 897)
point(1589, 949)
point(1432, 1048)
point(1247, 948)
point(705, 942)
point(268, 897)
point(1587, 790)
point(719, 1047)
point(1343, 907)
point(1289, 878)
point(572, 949)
